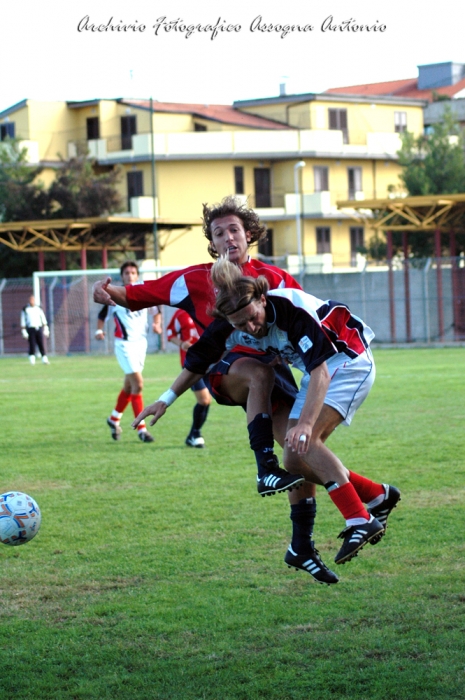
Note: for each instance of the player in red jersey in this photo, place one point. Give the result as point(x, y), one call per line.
point(181, 331)
point(231, 229)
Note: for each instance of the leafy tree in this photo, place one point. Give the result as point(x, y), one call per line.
point(22, 197)
point(78, 191)
point(434, 163)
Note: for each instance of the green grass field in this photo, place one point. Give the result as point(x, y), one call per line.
point(158, 571)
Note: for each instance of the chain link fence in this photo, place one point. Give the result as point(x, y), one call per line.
point(419, 302)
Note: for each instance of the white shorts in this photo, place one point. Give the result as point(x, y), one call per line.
point(131, 355)
point(351, 381)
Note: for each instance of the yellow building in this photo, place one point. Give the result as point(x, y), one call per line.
point(292, 157)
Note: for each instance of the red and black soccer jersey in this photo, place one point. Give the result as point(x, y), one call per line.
point(297, 332)
point(191, 289)
point(183, 327)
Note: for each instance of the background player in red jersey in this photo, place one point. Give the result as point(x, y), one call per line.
point(231, 228)
point(181, 331)
point(130, 330)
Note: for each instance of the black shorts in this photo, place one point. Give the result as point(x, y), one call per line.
point(198, 386)
point(284, 391)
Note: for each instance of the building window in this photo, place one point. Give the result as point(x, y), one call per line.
point(135, 180)
point(262, 181)
point(357, 242)
point(354, 176)
point(265, 247)
point(400, 122)
point(7, 131)
point(338, 120)
point(323, 240)
point(199, 127)
point(321, 177)
point(128, 129)
point(93, 128)
point(238, 179)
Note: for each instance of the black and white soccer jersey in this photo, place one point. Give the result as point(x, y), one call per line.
point(303, 330)
point(129, 325)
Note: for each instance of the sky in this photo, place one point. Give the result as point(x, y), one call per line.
point(49, 51)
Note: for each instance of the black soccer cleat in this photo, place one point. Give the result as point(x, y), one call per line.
point(312, 564)
point(145, 436)
point(276, 480)
point(356, 536)
point(116, 430)
point(382, 511)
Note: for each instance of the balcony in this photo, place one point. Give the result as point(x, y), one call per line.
point(235, 144)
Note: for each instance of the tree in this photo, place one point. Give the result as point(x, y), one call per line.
point(22, 197)
point(434, 163)
point(78, 191)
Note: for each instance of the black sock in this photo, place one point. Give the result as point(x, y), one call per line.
point(303, 519)
point(200, 414)
point(262, 442)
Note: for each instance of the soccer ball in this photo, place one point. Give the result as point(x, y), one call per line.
point(19, 518)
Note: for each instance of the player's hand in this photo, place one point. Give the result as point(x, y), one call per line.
point(298, 438)
point(100, 294)
point(24, 333)
point(157, 410)
point(47, 331)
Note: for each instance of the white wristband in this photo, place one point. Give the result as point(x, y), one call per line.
point(168, 397)
point(99, 331)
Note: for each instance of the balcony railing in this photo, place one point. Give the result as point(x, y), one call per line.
point(239, 143)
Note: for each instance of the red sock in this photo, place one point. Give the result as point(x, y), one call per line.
point(122, 401)
point(137, 404)
point(345, 498)
point(367, 490)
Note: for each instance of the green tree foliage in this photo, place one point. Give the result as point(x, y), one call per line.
point(434, 163)
point(78, 191)
point(22, 197)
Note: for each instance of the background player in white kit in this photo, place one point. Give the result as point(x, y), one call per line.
point(130, 350)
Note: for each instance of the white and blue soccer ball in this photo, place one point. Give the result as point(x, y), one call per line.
point(19, 518)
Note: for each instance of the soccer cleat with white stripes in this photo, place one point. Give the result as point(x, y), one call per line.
point(382, 511)
point(116, 430)
point(312, 564)
point(356, 536)
point(277, 480)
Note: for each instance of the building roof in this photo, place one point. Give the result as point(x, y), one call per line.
point(407, 88)
point(224, 114)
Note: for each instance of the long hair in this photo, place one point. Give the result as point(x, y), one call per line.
point(230, 206)
point(233, 290)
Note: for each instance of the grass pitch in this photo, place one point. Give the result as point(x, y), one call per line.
point(158, 571)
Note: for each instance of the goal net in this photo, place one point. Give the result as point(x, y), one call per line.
point(66, 298)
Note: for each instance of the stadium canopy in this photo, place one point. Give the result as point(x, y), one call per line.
point(109, 233)
point(431, 214)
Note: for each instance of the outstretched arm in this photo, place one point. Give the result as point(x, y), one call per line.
point(106, 293)
point(158, 409)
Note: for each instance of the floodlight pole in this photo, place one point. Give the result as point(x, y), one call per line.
point(298, 216)
point(154, 229)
